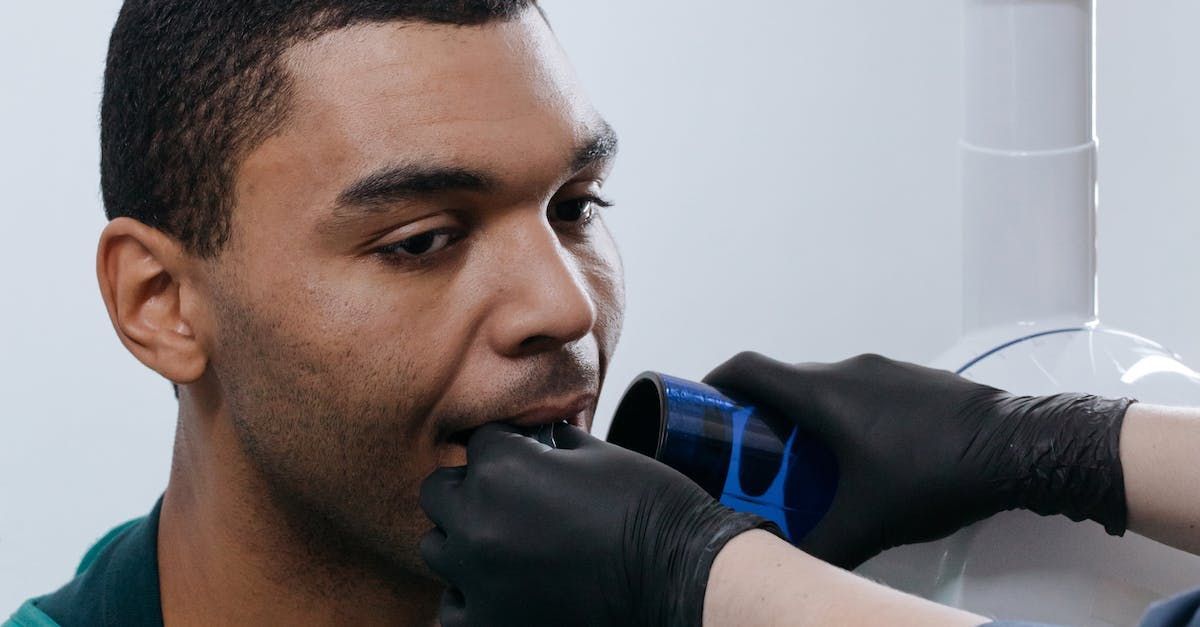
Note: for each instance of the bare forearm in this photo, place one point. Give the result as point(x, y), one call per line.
point(1160, 449)
point(760, 580)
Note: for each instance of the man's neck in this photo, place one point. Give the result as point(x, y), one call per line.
point(225, 557)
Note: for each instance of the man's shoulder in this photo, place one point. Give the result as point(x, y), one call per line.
point(28, 615)
point(104, 542)
point(116, 584)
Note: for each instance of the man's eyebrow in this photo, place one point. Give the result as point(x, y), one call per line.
point(403, 182)
point(396, 183)
point(601, 146)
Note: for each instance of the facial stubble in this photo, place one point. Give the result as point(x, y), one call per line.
point(338, 466)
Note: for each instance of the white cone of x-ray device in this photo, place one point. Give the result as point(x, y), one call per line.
point(1031, 326)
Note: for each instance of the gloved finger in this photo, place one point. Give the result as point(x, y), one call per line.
point(433, 551)
point(453, 610)
point(497, 439)
point(785, 389)
point(570, 437)
point(440, 496)
point(847, 536)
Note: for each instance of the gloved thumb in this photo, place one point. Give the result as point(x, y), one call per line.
point(783, 389)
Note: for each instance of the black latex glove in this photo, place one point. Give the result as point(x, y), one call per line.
point(585, 534)
point(923, 452)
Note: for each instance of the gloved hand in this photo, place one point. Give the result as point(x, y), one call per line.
point(585, 534)
point(923, 452)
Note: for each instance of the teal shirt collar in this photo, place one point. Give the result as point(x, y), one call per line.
point(117, 582)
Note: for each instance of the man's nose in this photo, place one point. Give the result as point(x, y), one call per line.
point(543, 301)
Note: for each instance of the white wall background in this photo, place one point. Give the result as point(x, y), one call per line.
point(796, 157)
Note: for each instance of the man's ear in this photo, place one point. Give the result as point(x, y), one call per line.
point(144, 279)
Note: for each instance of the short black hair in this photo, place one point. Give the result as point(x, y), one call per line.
point(192, 86)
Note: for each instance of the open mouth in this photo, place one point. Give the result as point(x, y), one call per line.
point(538, 421)
point(460, 437)
point(544, 433)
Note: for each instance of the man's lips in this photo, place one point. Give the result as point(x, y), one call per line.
point(568, 409)
point(573, 410)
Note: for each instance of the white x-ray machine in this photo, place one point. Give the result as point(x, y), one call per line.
point(1031, 326)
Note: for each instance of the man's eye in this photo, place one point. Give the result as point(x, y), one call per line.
point(422, 245)
point(578, 211)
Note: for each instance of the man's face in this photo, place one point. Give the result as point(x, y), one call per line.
point(414, 253)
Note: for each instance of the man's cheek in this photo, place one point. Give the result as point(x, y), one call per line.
point(610, 312)
point(606, 285)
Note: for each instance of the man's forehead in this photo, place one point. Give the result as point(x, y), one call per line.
point(460, 92)
point(378, 106)
point(492, 71)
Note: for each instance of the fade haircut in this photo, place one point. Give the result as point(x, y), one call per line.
point(192, 86)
